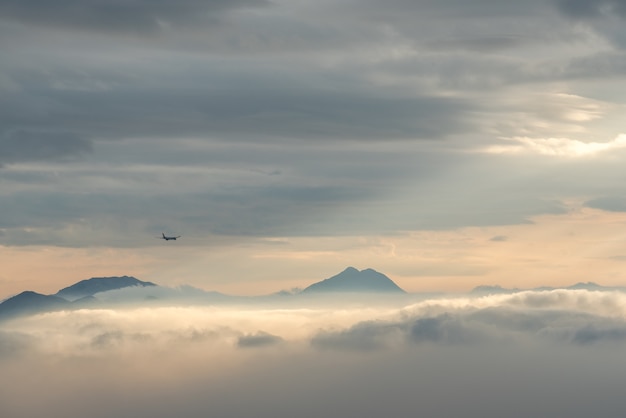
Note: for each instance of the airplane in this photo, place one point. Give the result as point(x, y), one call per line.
point(166, 238)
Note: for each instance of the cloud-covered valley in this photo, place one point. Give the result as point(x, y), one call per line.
point(542, 353)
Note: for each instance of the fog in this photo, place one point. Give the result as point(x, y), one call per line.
point(550, 353)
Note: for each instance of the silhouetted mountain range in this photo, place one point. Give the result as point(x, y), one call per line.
point(129, 290)
point(85, 293)
point(78, 295)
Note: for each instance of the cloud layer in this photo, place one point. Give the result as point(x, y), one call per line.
point(548, 352)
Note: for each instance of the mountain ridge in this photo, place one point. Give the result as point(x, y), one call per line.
point(82, 294)
point(78, 295)
point(90, 287)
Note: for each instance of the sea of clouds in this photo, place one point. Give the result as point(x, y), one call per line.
point(549, 353)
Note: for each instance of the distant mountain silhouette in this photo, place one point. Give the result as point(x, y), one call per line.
point(95, 285)
point(595, 286)
point(78, 295)
point(578, 286)
point(353, 280)
point(30, 303)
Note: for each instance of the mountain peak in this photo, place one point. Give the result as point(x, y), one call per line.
point(90, 287)
point(353, 280)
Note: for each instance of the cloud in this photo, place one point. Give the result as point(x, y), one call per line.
point(442, 329)
point(530, 350)
point(21, 146)
point(364, 336)
point(608, 203)
point(364, 111)
point(438, 321)
point(136, 17)
point(588, 9)
point(260, 339)
point(559, 316)
point(560, 147)
point(499, 238)
point(14, 343)
point(227, 101)
point(592, 334)
point(372, 114)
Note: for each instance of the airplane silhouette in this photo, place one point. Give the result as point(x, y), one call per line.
point(166, 238)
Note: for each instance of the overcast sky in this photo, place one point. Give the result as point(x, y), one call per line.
point(445, 143)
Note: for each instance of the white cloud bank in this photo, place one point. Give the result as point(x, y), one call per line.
point(557, 353)
point(559, 147)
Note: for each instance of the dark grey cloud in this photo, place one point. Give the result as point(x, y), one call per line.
point(128, 16)
point(23, 146)
point(227, 190)
point(240, 211)
point(592, 334)
point(479, 44)
point(365, 336)
point(260, 339)
point(455, 8)
point(600, 65)
point(499, 238)
point(588, 9)
point(252, 212)
point(232, 103)
point(608, 203)
point(605, 18)
point(443, 329)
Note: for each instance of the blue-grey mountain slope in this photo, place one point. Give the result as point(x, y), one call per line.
point(95, 285)
point(29, 302)
point(76, 296)
point(353, 280)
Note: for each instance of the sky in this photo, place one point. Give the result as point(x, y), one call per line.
point(447, 144)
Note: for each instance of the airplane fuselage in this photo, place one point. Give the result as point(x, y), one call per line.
point(166, 238)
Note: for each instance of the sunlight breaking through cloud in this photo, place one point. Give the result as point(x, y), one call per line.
point(559, 147)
